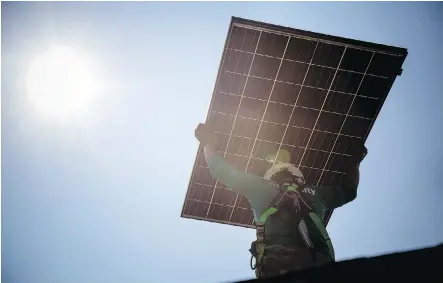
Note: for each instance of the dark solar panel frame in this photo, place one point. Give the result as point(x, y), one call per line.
point(341, 85)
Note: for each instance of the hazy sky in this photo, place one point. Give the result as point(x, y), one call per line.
point(100, 200)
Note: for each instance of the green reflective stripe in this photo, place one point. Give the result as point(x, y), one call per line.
point(291, 188)
point(324, 233)
point(267, 213)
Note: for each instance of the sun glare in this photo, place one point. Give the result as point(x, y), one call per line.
point(59, 84)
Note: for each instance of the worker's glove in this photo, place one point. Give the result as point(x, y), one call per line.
point(358, 152)
point(204, 134)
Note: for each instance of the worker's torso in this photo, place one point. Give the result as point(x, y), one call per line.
point(282, 228)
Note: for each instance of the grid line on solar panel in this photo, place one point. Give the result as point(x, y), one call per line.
point(238, 108)
point(337, 148)
point(298, 127)
point(300, 62)
point(315, 145)
point(215, 202)
point(262, 159)
point(365, 110)
point(295, 105)
point(295, 123)
point(367, 106)
point(347, 114)
point(267, 161)
point(264, 113)
point(243, 205)
point(296, 84)
point(330, 149)
point(318, 116)
point(370, 112)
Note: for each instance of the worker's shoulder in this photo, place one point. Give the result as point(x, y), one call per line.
point(313, 196)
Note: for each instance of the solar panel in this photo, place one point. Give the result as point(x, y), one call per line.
point(281, 95)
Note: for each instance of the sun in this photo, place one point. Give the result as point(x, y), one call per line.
point(59, 84)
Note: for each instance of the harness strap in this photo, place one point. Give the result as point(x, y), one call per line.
point(320, 227)
point(259, 249)
point(303, 229)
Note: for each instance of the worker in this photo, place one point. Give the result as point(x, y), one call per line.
point(288, 212)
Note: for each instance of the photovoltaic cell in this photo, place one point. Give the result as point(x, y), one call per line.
point(287, 93)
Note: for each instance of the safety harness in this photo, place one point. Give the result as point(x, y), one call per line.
point(289, 197)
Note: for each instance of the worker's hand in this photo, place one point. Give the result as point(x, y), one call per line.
point(359, 152)
point(204, 134)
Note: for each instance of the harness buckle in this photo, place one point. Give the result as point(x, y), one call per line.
point(260, 231)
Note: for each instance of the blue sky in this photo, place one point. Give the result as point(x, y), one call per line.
point(100, 201)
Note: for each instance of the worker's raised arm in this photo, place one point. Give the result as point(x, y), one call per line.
point(345, 191)
point(247, 185)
